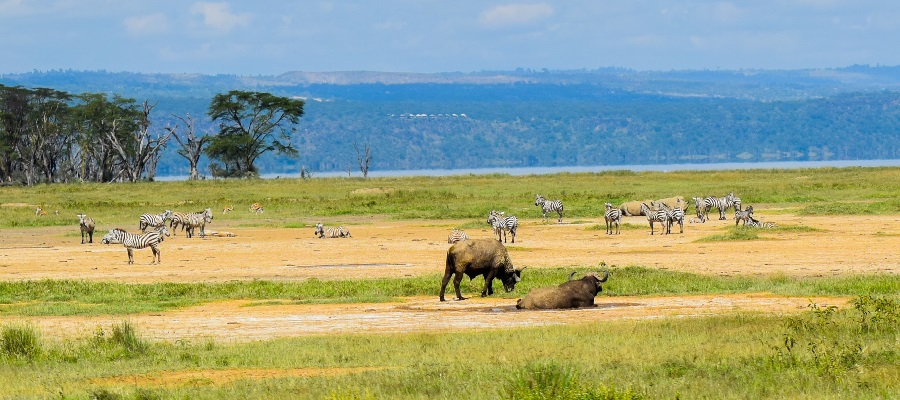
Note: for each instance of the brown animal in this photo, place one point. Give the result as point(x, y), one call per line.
point(87, 227)
point(570, 294)
point(474, 257)
point(632, 208)
point(672, 202)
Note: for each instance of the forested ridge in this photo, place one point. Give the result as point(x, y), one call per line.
point(528, 118)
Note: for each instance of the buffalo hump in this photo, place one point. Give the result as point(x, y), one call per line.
point(486, 257)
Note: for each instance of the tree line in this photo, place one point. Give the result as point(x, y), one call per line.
point(49, 136)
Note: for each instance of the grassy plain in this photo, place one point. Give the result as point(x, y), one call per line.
point(823, 353)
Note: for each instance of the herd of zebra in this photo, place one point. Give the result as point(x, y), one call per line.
point(667, 212)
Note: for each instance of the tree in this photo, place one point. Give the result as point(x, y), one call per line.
point(192, 146)
point(364, 159)
point(251, 124)
point(139, 151)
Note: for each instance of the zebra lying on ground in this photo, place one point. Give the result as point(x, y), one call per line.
point(456, 236)
point(339, 232)
point(503, 224)
point(197, 219)
point(655, 214)
point(133, 241)
point(755, 223)
point(87, 227)
point(612, 216)
point(744, 215)
point(548, 206)
point(154, 220)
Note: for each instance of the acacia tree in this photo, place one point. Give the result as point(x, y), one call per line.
point(251, 124)
point(140, 150)
point(192, 146)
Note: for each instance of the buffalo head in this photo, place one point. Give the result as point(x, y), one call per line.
point(511, 279)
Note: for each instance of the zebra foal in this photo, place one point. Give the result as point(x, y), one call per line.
point(330, 232)
point(612, 216)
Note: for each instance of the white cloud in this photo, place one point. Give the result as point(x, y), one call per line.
point(510, 15)
point(146, 24)
point(219, 17)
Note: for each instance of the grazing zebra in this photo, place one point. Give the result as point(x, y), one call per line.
point(154, 220)
point(256, 207)
point(720, 203)
point(675, 216)
point(755, 223)
point(87, 227)
point(701, 208)
point(40, 212)
point(744, 215)
point(613, 216)
point(178, 218)
point(502, 225)
point(197, 219)
point(133, 241)
point(548, 206)
point(655, 214)
point(226, 209)
point(339, 232)
point(456, 236)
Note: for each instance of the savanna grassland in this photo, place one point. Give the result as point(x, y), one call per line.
point(807, 309)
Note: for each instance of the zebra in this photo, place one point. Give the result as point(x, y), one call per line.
point(87, 227)
point(503, 224)
point(701, 208)
point(675, 215)
point(133, 241)
point(456, 236)
point(548, 206)
point(721, 203)
point(755, 223)
point(339, 232)
point(256, 207)
point(193, 220)
point(612, 215)
point(744, 215)
point(177, 219)
point(154, 220)
point(655, 214)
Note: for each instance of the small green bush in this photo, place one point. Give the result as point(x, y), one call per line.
point(20, 342)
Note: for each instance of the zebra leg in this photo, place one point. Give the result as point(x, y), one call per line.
point(130, 255)
point(157, 255)
point(560, 216)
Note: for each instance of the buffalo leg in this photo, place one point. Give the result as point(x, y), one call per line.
point(456, 281)
point(489, 283)
point(444, 283)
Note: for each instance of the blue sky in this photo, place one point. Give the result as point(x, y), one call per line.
point(271, 37)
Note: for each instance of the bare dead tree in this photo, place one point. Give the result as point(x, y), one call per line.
point(192, 145)
point(136, 156)
point(364, 158)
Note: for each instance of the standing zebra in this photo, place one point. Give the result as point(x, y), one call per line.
point(612, 215)
point(502, 224)
point(178, 218)
point(198, 219)
point(87, 227)
point(256, 207)
point(154, 220)
point(701, 208)
point(720, 203)
point(133, 241)
point(548, 206)
point(456, 236)
point(744, 215)
point(339, 232)
point(675, 216)
point(655, 214)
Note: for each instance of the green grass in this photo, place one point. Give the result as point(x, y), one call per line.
point(823, 353)
point(66, 297)
point(733, 233)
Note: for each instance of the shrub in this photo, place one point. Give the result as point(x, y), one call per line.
point(20, 342)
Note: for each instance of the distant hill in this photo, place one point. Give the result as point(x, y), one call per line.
point(525, 118)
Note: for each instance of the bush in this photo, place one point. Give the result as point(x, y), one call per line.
point(20, 342)
point(553, 381)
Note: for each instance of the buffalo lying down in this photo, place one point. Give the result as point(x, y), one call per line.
point(475, 257)
point(571, 294)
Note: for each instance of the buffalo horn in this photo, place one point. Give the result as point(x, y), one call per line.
point(572, 274)
point(605, 277)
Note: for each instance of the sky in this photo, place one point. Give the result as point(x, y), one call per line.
point(270, 37)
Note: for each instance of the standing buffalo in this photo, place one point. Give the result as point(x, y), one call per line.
point(571, 294)
point(475, 257)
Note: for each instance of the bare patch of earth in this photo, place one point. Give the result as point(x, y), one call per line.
point(383, 248)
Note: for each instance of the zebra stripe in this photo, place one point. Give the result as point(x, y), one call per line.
point(178, 218)
point(675, 215)
point(655, 214)
point(720, 203)
point(502, 225)
point(198, 219)
point(612, 216)
point(86, 224)
point(154, 220)
point(330, 232)
point(744, 215)
point(133, 241)
point(701, 208)
point(457, 236)
point(548, 206)
point(755, 223)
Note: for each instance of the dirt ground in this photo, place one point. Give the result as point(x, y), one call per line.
point(386, 248)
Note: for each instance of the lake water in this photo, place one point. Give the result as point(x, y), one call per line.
point(600, 168)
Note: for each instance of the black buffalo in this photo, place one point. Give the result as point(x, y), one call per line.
point(475, 257)
point(571, 294)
